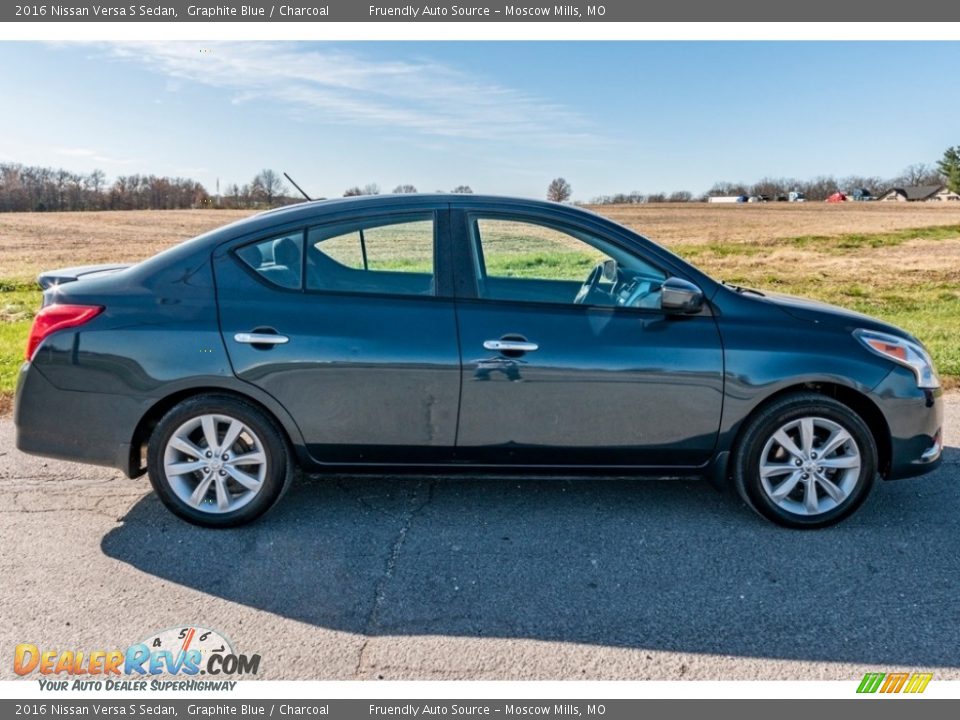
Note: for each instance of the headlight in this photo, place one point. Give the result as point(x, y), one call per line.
point(901, 351)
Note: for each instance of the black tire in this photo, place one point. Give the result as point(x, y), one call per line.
point(760, 430)
point(277, 474)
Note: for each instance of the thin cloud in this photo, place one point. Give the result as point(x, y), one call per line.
point(90, 154)
point(333, 86)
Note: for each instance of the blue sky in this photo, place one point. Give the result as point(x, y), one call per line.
point(501, 117)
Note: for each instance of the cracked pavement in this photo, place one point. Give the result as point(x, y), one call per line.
point(422, 578)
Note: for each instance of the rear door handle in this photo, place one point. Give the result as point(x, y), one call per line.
point(255, 338)
point(510, 345)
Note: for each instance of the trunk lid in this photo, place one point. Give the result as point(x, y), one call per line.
point(49, 278)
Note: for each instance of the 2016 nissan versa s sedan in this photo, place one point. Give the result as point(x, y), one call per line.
point(439, 333)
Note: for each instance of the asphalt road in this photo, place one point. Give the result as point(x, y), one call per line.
point(417, 578)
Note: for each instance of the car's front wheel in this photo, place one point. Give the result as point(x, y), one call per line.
point(217, 461)
point(805, 461)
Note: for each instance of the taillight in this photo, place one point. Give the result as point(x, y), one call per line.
point(58, 317)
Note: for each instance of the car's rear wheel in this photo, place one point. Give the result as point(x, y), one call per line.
point(217, 461)
point(805, 461)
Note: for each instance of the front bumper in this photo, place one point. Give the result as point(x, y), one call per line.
point(915, 420)
point(88, 427)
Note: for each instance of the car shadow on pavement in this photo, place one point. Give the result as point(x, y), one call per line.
point(664, 565)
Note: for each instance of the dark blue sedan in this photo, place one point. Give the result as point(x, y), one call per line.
point(463, 334)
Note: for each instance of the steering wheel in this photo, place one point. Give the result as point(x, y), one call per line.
point(589, 285)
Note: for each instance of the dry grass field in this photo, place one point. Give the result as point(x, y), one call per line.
point(678, 224)
point(30, 242)
point(897, 261)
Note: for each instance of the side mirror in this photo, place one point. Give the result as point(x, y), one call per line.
point(682, 296)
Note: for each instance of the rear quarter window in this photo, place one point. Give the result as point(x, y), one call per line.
point(278, 260)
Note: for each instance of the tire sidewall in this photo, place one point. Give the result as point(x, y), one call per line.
point(756, 437)
point(279, 465)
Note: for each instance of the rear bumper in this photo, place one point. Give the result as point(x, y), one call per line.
point(86, 427)
point(915, 420)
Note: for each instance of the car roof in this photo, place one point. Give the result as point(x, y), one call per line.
point(417, 199)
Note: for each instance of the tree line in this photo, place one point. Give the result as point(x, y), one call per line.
point(402, 189)
point(26, 188)
point(945, 172)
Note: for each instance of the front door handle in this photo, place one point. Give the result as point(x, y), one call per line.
point(255, 338)
point(519, 346)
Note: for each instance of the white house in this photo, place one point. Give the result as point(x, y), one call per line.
point(921, 193)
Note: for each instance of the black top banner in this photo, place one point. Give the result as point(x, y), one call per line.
point(477, 11)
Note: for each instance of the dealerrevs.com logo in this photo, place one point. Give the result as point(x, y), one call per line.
point(154, 663)
point(891, 683)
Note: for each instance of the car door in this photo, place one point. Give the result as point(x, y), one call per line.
point(348, 323)
point(558, 373)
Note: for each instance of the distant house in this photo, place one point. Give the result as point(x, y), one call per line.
point(920, 193)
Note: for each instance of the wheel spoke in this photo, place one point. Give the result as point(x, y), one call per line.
point(833, 443)
point(210, 431)
point(843, 462)
point(774, 469)
point(787, 444)
point(810, 500)
point(831, 489)
point(806, 435)
point(223, 497)
point(233, 432)
point(252, 458)
point(185, 446)
point(786, 487)
point(200, 492)
point(248, 481)
point(183, 468)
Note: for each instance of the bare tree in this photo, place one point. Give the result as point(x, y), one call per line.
point(463, 190)
point(271, 185)
point(680, 196)
point(726, 189)
point(231, 196)
point(368, 189)
point(404, 189)
point(559, 190)
point(917, 174)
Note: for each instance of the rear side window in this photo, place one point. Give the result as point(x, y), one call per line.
point(278, 260)
point(393, 256)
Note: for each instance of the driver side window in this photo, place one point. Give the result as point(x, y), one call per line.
point(526, 261)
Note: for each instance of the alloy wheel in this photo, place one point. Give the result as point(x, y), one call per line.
point(215, 463)
point(809, 466)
